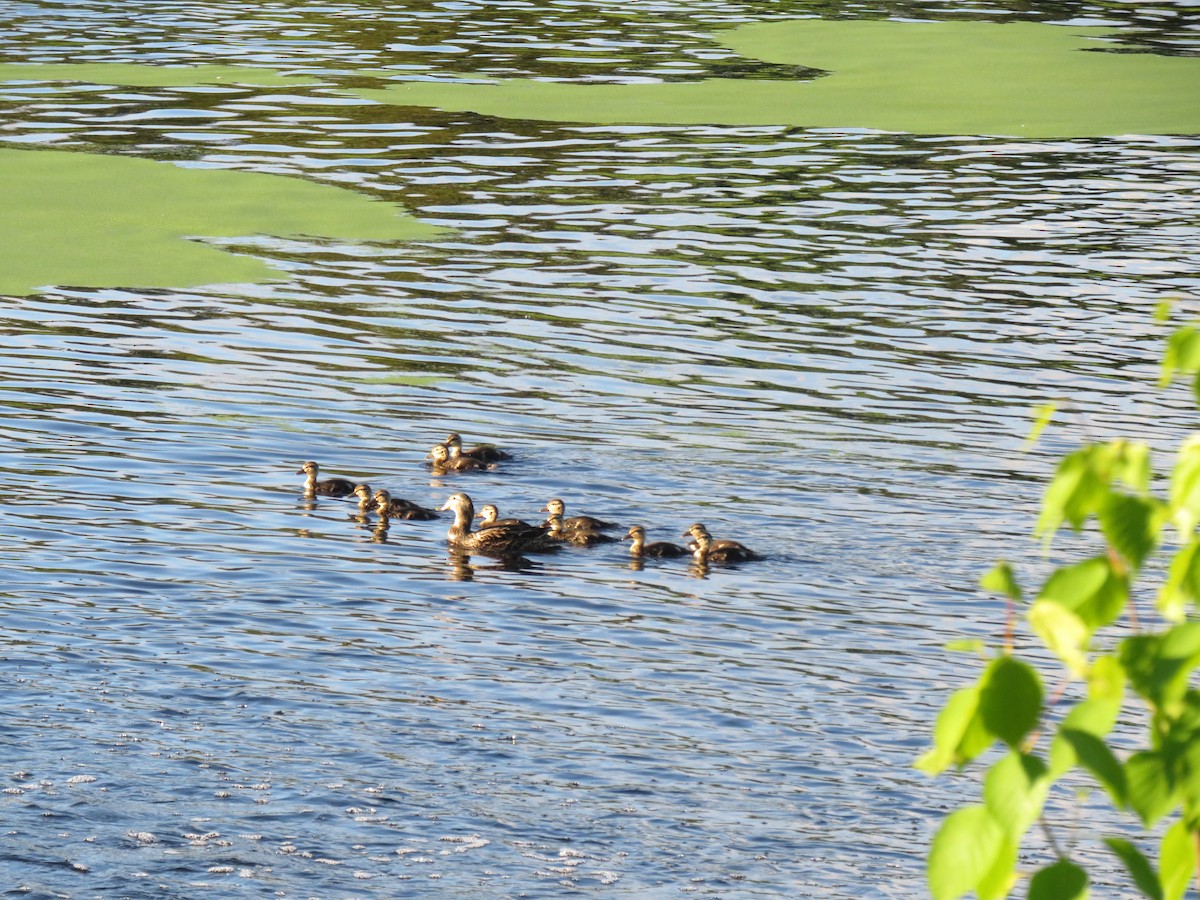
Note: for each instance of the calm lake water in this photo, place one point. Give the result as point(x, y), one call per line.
point(826, 343)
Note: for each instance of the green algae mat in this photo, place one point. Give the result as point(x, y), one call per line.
point(1020, 79)
point(140, 75)
point(91, 220)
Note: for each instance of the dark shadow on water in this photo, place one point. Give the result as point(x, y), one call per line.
point(460, 567)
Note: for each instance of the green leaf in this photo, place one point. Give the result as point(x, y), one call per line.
point(1095, 717)
point(1158, 666)
point(1177, 861)
point(963, 853)
point(958, 735)
point(1090, 589)
point(1083, 482)
point(1066, 586)
point(1138, 867)
point(999, 879)
point(1015, 791)
point(1063, 632)
point(1075, 492)
point(1010, 700)
point(1131, 464)
point(1097, 758)
point(1001, 580)
point(1184, 494)
point(1182, 354)
point(1162, 310)
point(1182, 641)
point(1152, 792)
point(1061, 881)
point(1182, 747)
point(1106, 681)
point(1182, 585)
point(1041, 418)
point(1132, 525)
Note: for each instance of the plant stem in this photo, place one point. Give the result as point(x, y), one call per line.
point(1120, 568)
point(1050, 837)
point(1010, 616)
point(1196, 844)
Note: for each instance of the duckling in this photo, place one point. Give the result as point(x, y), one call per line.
point(330, 487)
point(366, 501)
point(489, 516)
point(640, 548)
point(443, 462)
point(580, 537)
point(705, 549)
point(484, 452)
point(498, 540)
point(397, 508)
point(575, 523)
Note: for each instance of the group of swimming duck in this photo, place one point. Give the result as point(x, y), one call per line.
point(509, 538)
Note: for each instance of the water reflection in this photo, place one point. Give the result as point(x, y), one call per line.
point(461, 566)
point(379, 533)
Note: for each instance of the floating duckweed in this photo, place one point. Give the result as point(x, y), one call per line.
point(94, 220)
point(1025, 79)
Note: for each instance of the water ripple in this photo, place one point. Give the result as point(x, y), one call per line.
point(825, 342)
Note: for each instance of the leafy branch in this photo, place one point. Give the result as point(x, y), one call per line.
point(1104, 488)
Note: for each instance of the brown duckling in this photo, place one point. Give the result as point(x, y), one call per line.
point(705, 549)
point(330, 487)
point(489, 516)
point(580, 537)
point(640, 548)
point(498, 540)
point(366, 500)
point(484, 452)
point(397, 508)
point(575, 523)
point(442, 462)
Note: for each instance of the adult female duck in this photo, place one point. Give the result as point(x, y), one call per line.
point(497, 540)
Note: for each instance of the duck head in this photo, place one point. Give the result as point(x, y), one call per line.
point(460, 504)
